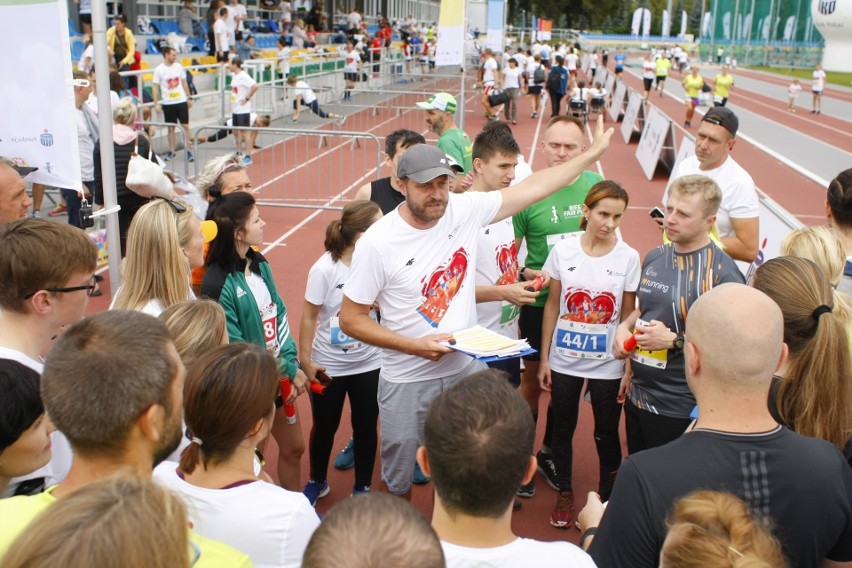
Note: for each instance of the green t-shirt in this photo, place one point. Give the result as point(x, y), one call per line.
point(545, 223)
point(456, 143)
point(17, 512)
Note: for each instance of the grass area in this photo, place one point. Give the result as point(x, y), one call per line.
point(832, 77)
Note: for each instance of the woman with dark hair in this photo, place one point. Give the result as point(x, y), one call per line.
point(240, 279)
point(592, 289)
point(24, 427)
point(353, 365)
point(229, 409)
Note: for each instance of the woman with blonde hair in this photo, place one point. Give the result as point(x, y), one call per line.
point(812, 392)
point(164, 234)
point(124, 139)
point(196, 327)
point(710, 529)
point(229, 408)
point(824, 247)
point(124, 520)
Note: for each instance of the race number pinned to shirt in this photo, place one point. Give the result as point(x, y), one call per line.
point(657, 359)
point(509, 314)
point(269, 317)
point(581, 340)
point(340, 339)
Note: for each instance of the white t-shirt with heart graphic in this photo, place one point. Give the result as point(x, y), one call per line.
point(590, 307)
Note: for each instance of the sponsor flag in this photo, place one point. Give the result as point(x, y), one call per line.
point(450, 48)
point(37, 110)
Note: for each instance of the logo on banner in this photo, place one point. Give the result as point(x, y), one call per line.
point(826, 7)
point(48, 168)
point(46, 138)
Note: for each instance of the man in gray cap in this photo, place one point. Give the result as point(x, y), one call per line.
point(14, 201)
point(738, 218)
point(418, 264)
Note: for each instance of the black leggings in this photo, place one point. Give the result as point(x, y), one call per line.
point(555, 102)
point(646, 430)
point(326, 410)
point(565, 395)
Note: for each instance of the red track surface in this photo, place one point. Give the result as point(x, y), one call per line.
point(298, 236)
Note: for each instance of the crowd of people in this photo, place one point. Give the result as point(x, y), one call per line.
point(138, 433)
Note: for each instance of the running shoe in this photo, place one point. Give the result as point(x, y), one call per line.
point(169, 156)
point(547, 468)
point(189, 157)
point(346, 458)
point(341, 119)
point(315, 490)
point(247, 160)
point(419, 478)
point(358, 489)
point(563, 512)
point(58, 211)
point(527, 491)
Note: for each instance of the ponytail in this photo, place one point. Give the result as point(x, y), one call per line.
point(357, 217)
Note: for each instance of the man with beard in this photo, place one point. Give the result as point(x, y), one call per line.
point(417, 263)
point(440, 109)
point(113, 384)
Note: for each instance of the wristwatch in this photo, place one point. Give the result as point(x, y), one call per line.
point(677, 344)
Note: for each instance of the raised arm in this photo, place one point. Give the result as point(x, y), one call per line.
point(546, 182)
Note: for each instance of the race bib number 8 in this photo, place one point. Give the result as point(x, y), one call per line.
point(269, 316)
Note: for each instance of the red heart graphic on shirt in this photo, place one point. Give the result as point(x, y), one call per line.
point(441, 287)
point(589, 307)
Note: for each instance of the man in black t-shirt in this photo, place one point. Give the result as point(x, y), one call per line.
point(384, 191)
point(801, 486)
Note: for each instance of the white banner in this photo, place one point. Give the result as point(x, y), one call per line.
point(683, 21)
point(667, 24)
point(496, 18)
point(37, 120)
point(637, 18)
point(646, 22)
point(450, 47)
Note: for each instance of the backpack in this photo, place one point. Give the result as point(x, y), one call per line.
point(538, 75)
point(554, 81)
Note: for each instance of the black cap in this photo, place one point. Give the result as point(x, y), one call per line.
point(724, 117)
point(18, 166)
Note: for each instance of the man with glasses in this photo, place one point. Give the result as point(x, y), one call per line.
point(133, 423)
point(49, 268)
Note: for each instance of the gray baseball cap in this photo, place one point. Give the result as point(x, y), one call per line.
point(423, 163)
point(16, 165)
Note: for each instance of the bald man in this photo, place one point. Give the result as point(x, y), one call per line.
point(14, 201)
point(803, 486)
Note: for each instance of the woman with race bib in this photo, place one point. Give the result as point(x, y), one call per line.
point(353, 366)
point(593, 285)
point(240, 279)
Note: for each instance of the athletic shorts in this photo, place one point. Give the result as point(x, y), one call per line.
point(222, 57)
point(178, 113)
point(488, 88)
point(648, 83)
point(242, 119)
point(347, 76)
point(534, 89)
point(530, 324)
point(85, 18)
point(402, 413)
point(817, 92)
point(619, 68)
point(661, 78)
point(693, 100)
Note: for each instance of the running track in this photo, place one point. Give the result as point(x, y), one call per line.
point(293, 237)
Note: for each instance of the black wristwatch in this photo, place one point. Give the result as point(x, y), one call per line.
point(521, 274)
point(677, 344)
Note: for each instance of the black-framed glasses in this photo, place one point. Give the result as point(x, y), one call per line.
point(178, 207)
point(90, 289)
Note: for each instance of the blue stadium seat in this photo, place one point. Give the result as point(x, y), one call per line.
point(152, 48)
point(77, 48)
point(72, 31)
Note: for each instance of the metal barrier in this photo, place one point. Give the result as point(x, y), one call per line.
point(160, 149)
point(301, 168)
